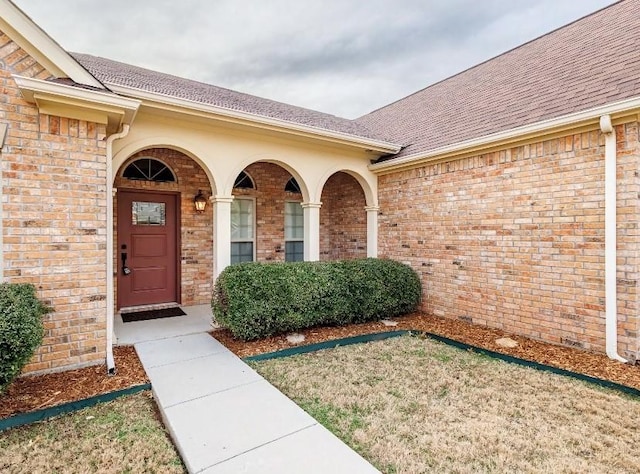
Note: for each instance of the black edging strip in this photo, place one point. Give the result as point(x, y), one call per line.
point(532, 364)
point(451, 342)
point(39, 415)
point(347, 341)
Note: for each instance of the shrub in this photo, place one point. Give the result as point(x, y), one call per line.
point(256, 300)
point(21, 329)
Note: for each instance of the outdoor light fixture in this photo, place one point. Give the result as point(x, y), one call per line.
point(200, 201)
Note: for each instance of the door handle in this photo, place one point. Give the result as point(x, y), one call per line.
point(125, 270)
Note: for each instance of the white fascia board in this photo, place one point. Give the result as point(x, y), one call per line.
point(34, 90)
point(190, 106)
point(44, 49)
point(527, 132)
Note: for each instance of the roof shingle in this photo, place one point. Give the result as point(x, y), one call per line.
point(113, 72)
point(591, 62)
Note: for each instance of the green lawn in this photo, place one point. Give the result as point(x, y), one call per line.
point(122, 436)
point(412, 405)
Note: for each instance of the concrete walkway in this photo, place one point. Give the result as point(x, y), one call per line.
point(225, 418)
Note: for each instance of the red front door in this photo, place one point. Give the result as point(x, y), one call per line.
point(147, 248)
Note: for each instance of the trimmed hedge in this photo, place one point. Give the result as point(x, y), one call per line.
point(255, 300)
point(21, 329)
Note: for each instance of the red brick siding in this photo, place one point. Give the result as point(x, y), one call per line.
point(270, 180)
point(515, 239)
point(343, 220)
point(196, 230)
point(54, 172)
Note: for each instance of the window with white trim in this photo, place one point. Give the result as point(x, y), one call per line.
point(243, 224)
point(293, 232)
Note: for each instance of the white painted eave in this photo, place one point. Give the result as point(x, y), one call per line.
point(116, 109)
point(39, 45)
point(628, 108)
point(186, 106)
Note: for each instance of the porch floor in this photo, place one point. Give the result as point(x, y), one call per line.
point(197, 320)
point(223, 417)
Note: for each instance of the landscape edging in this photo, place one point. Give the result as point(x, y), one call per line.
point(21, 419)
point(445, 340)
point(332, 344)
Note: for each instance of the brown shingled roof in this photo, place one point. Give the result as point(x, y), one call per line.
point(113, 72)
point(591, 62)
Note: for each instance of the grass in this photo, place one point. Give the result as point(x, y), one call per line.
point(122, 436)
point(412, 405)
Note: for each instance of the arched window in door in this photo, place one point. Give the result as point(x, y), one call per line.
point(149, 169)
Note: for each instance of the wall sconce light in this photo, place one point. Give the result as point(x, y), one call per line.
point(200, 201)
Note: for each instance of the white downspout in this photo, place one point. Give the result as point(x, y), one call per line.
point(111, 365)
point(3, 134)
point(610, 239)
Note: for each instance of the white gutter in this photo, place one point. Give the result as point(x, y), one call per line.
point(610, 239)
point(110, 104)
point(111, 365)
point(256, 120)
point(570, 121)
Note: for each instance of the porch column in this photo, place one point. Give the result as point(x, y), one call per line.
point(221, 233)
point(311, 211)
point(372, 230)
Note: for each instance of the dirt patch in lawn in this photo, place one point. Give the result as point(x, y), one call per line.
point(42, 391)
point(411, 404)
point(124, 435)
point(595, 365)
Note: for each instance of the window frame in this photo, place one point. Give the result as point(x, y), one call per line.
point(249, 177)
point(149, 179)
point(254, 232)
point(286, 240)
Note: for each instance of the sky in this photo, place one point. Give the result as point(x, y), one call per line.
point(343, 57)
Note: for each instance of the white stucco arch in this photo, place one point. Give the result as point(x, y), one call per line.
point(235, 171)
point(130, 149)
point(369, 188)
point(223, 150)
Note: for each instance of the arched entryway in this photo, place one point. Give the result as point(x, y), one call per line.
point(163, 247)
point(266, 215)
point(343, 219)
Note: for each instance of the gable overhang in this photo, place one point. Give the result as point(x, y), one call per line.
point(40, 46)
point(62, 100)
point(624, 111)
point(177, 105)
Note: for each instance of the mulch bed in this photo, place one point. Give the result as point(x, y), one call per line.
point(31, 393)
point(42, 391)
point(595, 365)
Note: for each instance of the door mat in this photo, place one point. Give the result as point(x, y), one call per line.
point(152, 314)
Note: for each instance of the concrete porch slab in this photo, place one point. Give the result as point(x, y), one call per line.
point(197, 320)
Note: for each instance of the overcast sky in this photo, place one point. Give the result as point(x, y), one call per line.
point(345, 57)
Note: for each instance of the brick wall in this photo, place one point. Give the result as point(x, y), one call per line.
point(343, 220)
point(196, 234)
point(515, 239)
point(53, 191)
point(270, 196)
